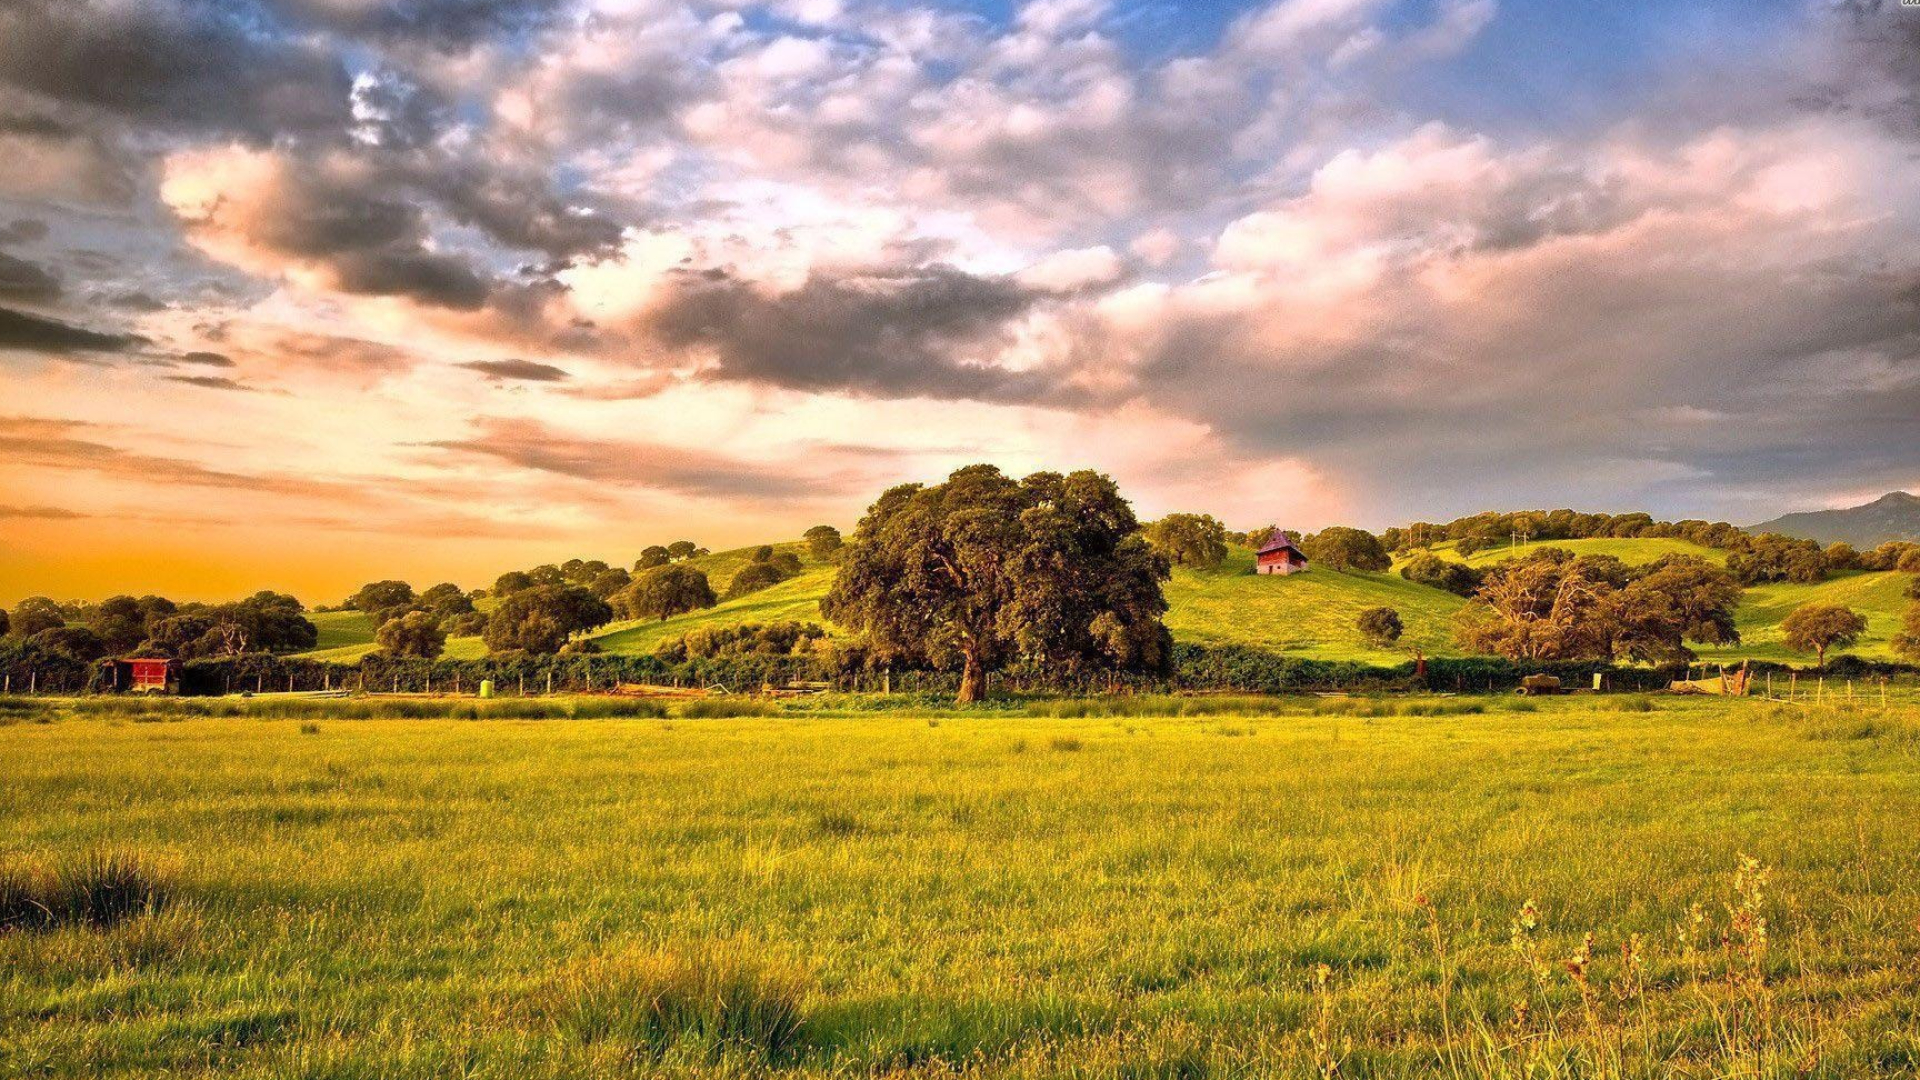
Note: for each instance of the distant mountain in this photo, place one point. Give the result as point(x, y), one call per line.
point(1894, 516)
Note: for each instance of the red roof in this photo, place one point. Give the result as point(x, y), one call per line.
point(1279, 542)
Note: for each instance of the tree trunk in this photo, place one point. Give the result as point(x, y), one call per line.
point(973, 681)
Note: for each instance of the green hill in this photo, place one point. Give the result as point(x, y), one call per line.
point(1310, 615)
point(1881, 597)
point(796, 599)
point(1632, 552)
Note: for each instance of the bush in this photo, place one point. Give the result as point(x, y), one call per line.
point(1381, 626)
point(1339, 547)
point(1438, 573)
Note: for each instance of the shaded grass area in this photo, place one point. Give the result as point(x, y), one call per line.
point(1324, 888)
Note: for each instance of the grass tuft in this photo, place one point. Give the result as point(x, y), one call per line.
point(97, 890)
point(714, 1002)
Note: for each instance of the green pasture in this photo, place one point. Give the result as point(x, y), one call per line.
point(1278, 888)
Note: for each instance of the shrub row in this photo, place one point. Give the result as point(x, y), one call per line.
point(1193, 669)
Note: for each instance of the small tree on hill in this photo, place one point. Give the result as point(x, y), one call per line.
point(445, 601)
point(752, 578)
point(1381, 626)
point(512, 582)
point(416, 634)
point(666, 591)
point(1435, 572)
point(822, 542)
point(1193, 540)
point(1338, 547)
point(36, 613)
point(543, 618)
point(651, 556)
point(1907, 641)
point(379, 595)
point(1815, 628)
point(684, 549)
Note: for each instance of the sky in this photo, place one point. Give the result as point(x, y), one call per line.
point(295, 294)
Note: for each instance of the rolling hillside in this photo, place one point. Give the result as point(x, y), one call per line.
point(1632, 552)
point(1881, 597)
point(1309, 615)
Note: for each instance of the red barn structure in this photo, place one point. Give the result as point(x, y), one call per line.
point(1279, 556)
point(143, 675)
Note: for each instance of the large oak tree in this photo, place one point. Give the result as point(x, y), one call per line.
point(984, 569)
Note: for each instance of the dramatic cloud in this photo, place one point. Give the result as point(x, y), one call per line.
point(191, 65)
point(929, 332)
point(31, 333)
point(739, 264)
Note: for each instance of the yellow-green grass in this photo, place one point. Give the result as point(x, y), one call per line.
point(1310, 615)
point(796, 599)
point(1290, 895)
point(1881, 597)
point(341, 629)
point(1634, 552)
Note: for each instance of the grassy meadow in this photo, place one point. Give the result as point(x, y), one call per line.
point(1164, 888)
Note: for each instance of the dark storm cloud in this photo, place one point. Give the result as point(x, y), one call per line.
point(206, 359)
point(894, 333)
point(192, 65)
point(442, 280)
point(520, 370)
point(26, 282)
point(529, 444)
point(33, 333)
